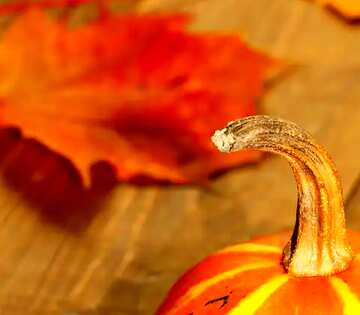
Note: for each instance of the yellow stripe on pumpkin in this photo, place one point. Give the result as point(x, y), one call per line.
point(350, 300)
point(198, 289)
point(250, 304)
point(252, 248)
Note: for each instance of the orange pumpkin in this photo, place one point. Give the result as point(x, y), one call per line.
point(316, 273)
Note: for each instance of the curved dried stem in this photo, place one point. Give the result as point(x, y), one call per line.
point(319, 243)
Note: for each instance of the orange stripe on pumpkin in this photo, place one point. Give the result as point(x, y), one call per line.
point(350, 300)
point(210, 267)
point(250, 304)
point(198, 289)
point(294, 296)
point(351, 276)
point(252, 248)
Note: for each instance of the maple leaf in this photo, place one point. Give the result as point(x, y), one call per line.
point(137, 91)
point(349, 9)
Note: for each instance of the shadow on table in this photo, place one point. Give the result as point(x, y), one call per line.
point(51, 184)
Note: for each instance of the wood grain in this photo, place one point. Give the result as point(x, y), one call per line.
point(116, 250)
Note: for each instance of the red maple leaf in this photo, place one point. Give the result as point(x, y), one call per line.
point(137, 91)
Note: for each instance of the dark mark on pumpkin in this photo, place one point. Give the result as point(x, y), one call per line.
point(224, 299)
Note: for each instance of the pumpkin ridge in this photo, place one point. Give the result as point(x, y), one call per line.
point(349, 299)
point(201, 287)
point(253, 248)
point(252, 302)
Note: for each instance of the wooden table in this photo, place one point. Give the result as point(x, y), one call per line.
point(118, 248)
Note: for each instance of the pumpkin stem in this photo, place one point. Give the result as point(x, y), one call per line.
point(319, 244)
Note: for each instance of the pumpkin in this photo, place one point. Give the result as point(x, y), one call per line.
point(318, 272)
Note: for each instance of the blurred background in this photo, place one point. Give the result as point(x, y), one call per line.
point(116, 245)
